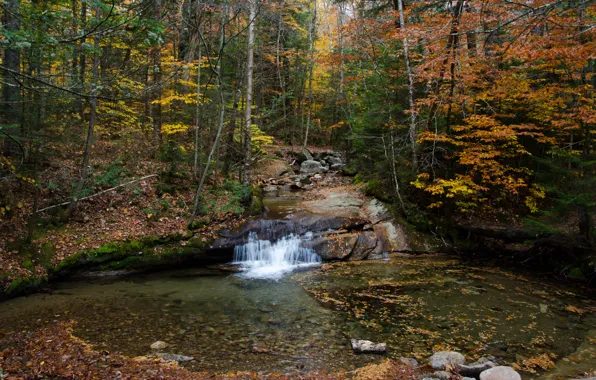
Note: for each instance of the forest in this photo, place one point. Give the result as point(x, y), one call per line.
point(150, 135)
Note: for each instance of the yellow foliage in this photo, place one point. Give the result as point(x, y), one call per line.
point(172, 128)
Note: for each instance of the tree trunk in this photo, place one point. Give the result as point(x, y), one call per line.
point(156, 58)
point(406, 42)
point(311, 47)
point(222, 109)
point(84, 172)
point(248, 107)
point(195, 167)
point(11, 91)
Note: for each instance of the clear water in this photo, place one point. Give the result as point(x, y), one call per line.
point(262, 259)
point(305, 321)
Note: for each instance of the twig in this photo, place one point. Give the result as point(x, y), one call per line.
point(96, 194)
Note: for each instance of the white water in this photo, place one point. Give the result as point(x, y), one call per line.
point(266, 260)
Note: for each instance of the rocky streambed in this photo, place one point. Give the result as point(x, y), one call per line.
point(212, 319)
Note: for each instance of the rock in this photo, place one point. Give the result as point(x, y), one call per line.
point(439, 360)
point(335, 163)
point(365, 245)
point(500, 373)
point(312, 167)
point(308, 187)
point(259, 348)
point(270, 191)
point(543, 308)
point(481, 361)
point(376, 211)
point(475, 369)
point(174, 357)
point(392, 237)
point(285, 180)
point(442, 375)
point(333, 247)
point(159, 345)
point(368, 347)
point(296, 186)
point(410, 362)
point(307, 155)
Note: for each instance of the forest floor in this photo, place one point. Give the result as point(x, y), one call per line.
point(156, 207)
point(55, 353)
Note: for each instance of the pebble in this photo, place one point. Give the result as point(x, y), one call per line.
point(159, 345)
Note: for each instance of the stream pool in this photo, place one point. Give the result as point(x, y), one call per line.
point(305, 321)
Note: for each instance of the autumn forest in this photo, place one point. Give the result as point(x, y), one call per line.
point(145, 135)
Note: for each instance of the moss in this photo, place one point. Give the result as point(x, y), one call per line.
point(577, 273)
point(25, 285)
point(256, 205)
point(149, 260)
point(199, 223)
point(379, 190)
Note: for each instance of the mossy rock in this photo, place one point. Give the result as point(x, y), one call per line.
point(199, 223)
point(256, 206)
point(25, 285)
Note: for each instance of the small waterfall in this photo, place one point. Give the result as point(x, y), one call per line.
point(267, 260)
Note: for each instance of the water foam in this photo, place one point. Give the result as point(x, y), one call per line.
point(266, 260)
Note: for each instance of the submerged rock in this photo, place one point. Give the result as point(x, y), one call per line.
point(410, 362)
point(174, 357)
point(368, 347)
point(439, 360)
point(500, 373)
point(159, 345)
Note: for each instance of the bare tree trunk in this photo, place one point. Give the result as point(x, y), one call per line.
point(92, 120)
point(156, 107)
point(249, 85)
point(340, 44)
point(222, 109)
point(311, 46)
point(11, 91)
point(406, 42)
point(195, 168)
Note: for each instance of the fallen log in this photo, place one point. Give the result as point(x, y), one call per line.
point(97, 194)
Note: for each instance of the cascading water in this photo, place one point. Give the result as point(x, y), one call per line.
point(267, 260)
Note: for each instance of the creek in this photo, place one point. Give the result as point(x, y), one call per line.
point(255, 315)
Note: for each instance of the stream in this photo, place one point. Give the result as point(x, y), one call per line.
point(278, 309)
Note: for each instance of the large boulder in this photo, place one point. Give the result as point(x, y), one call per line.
point(333, 246)
point(439, 360)
point(392, 237)
point(312, 167)
point(365, 245)
point(272, 168)
point(500, 373)
point(335, 163)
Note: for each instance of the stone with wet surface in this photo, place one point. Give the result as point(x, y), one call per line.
point(500, 373)
point(439, 360)
point(368, 347)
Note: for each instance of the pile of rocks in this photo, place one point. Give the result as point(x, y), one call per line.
point(319, 162)
point(311, 168)
point(449, 365)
